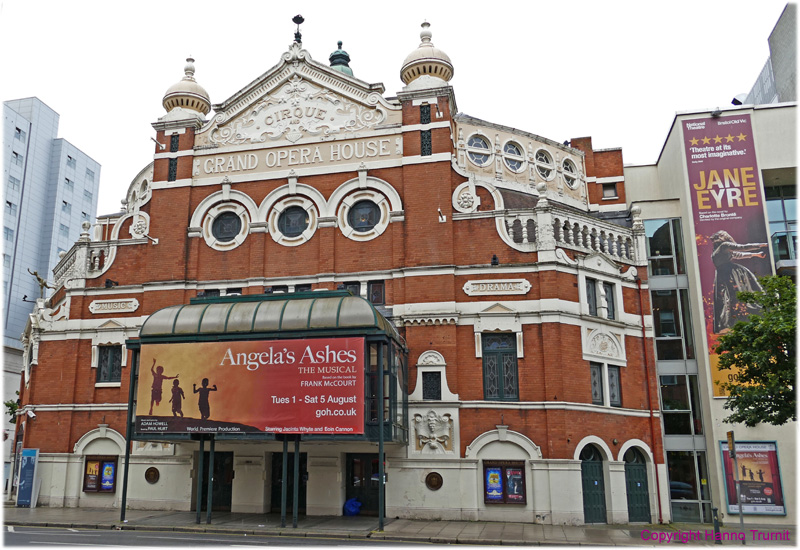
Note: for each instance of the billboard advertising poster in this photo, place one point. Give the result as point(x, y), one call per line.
point(730, 230)
point(27, 475)
point(313, 386)
point(759, 476)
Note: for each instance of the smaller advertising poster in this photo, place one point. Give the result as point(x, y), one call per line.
point(759, 478)
point(108, 476)
point(27, 476)
point(515, 484)
point(92, 475)
point(494, 485)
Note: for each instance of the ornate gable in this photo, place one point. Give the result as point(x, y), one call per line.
point(299, 100)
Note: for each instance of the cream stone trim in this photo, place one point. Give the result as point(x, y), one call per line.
point(593, 439)
point(639, 444)
point(103, 432)
point(281, 206)
point(503, 434)
point(217, 210)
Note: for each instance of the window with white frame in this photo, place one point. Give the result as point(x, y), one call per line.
point(69, 184)
point(66, 207)
point(11, 209)
point(13, 183)
point(513, 157)
point(109, 363)
point(599, 293)
point(500, 379)
point(71, 162)
point(544, 164)
point(19, 134)
point(570, 173)
point(610, 191)
point(605, 384)
point(17, 159)
point(478, 150)
point(89, 174)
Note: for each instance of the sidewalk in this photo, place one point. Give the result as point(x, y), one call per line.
point(365, 527)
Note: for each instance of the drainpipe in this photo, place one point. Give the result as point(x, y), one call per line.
point(649, 398)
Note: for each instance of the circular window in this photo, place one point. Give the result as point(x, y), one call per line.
point(544, 164)
point(590, 452)
point(478, 150)
point(633, 456)
point(226, 227)
point(293, 221)
point(513, 156)
point(570, 173)
point(363, 216)
point(434, 481)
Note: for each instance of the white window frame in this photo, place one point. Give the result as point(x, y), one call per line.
point(471, 149)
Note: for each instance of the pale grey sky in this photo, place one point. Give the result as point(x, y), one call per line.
point(614, 70)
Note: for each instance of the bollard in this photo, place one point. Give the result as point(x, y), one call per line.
point(715, 512)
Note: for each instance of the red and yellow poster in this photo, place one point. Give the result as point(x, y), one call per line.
point(278, 386)
point(730, 230)
point(759, 478)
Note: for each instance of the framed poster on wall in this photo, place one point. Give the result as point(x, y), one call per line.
point(759, 477)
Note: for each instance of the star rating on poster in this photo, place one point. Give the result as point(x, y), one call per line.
point(717, 139)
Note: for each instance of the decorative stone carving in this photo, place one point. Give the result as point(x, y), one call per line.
point(139, 226)
point(433, 433)
point(466, 200)
point(299, 109)
point(603, 345)
point(431, 357)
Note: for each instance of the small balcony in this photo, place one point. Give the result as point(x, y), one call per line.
point(784, 249)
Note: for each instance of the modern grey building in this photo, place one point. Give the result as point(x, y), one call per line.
point(51, 187)
point(777, 82)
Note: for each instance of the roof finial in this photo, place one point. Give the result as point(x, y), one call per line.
point(188, 69)
point(297, 19)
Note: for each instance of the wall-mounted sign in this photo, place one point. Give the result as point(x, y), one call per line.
point(496, 287)
point(126, 305)
point(311, 386)
point(730, 231)
point(759, 478)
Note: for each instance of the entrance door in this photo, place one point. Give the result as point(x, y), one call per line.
point(636, 484)
point(277, 482)
point(594, 492)
point(222, 492)
point(362, 481)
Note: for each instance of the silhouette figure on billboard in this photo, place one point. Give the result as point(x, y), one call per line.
point(177, 396)
point(202, 403)
point(158, 380)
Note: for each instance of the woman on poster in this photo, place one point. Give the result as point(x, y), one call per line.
point(731, 278)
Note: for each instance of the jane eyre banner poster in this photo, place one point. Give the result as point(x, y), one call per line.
point(730, 230)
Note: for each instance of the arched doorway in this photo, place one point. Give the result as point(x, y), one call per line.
point(636, 486)
point(594, 490)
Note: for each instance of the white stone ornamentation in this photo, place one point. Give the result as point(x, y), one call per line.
point(299, 109)
point(433, 433)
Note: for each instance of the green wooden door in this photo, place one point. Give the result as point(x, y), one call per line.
point(594, 491)
point(637, 489)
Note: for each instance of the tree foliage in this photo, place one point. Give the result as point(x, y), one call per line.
point(11, 409)
point(763, 349)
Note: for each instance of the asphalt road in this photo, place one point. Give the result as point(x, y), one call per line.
point(56, 537)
